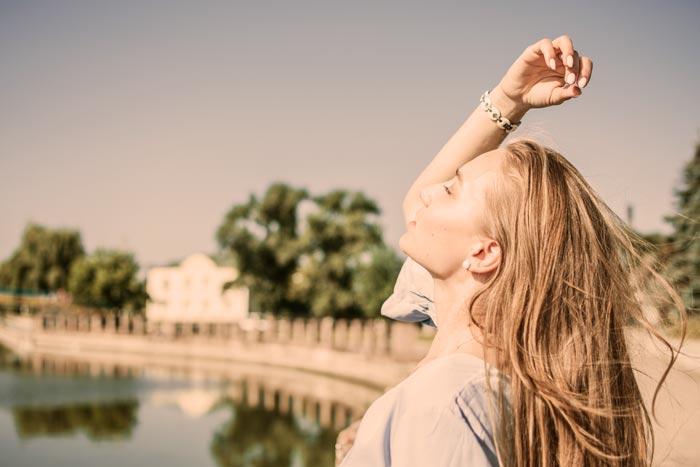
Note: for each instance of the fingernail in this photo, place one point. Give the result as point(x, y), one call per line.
point(582, 82)
point(570, 61)
point(571, 78)
point(552, 64)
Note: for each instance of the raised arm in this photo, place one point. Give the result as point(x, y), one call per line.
point(543, 75)
point(477, 135)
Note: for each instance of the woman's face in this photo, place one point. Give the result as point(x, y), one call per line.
point(447, 224)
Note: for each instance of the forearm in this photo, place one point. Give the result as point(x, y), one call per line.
point(477, 135)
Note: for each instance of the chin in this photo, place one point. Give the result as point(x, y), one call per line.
point(402, 244)
point(406, 248)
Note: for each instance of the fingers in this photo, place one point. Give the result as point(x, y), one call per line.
point(559, 55)
point(586, 68)
point(577, 66)
point(568, 57)
point(561, 95)
point(544, 47)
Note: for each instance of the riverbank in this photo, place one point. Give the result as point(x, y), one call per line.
point(677, 425)
point(379, 371)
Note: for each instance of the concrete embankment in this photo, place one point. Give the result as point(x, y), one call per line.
point(23, 336)
point(676, 426)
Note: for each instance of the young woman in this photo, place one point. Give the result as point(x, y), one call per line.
point(534, 280)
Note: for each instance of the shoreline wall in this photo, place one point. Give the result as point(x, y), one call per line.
point(376, 353)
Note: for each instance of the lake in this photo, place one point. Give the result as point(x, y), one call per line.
point(55, 412)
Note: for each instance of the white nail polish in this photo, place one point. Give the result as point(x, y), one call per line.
point(582, 82)
point(571, 78)
point(570, 61)
point(552, 64)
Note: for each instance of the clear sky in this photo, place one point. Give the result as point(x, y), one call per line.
point(141, 123)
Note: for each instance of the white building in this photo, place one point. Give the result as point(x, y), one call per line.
point(192, 293)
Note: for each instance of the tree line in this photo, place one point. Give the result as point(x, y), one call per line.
point(332, 261)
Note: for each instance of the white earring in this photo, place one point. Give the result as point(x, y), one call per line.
point(466, 264)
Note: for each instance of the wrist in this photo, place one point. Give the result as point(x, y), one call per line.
point(509, 108)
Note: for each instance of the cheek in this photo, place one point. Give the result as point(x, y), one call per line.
point(441, 241)
point(445, 228)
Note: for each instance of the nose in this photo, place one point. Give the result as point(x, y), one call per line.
point(426, 195)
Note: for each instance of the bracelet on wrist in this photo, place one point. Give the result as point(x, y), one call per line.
point(495, 114)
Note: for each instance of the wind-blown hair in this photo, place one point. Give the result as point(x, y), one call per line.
point(555, 312)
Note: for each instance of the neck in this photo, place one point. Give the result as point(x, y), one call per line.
point(454, 334)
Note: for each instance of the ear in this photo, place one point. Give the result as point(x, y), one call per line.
point(485, 256)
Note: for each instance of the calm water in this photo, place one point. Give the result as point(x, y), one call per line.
point(54, 415)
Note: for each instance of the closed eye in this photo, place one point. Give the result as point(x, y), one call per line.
point(447, 189)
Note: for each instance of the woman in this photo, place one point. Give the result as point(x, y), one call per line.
point(534, 279)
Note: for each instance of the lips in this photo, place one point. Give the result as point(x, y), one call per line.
point(412, 223)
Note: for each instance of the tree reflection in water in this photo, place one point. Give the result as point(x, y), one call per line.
point(257, 437)
point(53, 397)
point(99, 421)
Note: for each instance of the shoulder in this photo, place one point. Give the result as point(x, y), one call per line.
point(439, 381)
point(439, 437)
point(477, 406)
point(445, 408)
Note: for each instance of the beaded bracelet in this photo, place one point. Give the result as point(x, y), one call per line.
point(495, 114)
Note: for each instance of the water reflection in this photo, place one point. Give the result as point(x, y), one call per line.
point(97, 411)
point(99, 421)
point(257, 436)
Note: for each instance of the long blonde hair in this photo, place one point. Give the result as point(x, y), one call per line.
point(555, 311)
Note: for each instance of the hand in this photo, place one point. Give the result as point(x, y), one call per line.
point(532, 83)
point(345, 440)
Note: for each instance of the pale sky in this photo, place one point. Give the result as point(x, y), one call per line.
point(141, 123)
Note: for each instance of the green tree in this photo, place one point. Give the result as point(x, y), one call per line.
point(43, 260)
point(347, 270)
point(261, 238)
point(108, 279)
point(375, 277)
point(331, 263)
point(683, 266)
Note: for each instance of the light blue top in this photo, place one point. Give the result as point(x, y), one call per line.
point(411, 299)
point(438, 416)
